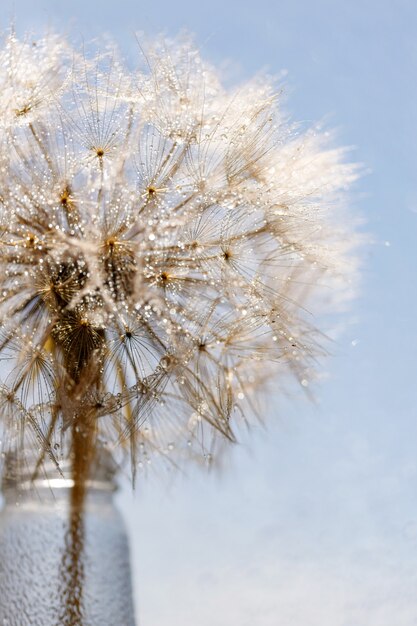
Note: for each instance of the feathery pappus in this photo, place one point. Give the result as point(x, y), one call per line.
point(165, 245)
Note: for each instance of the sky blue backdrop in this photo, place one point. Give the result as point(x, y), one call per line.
point(316, 523)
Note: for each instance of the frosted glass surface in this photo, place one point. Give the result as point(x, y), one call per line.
point(32, 548)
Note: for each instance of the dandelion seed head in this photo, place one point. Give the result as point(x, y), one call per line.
point(165, 243)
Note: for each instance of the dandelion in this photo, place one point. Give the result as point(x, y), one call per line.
point(165, 243)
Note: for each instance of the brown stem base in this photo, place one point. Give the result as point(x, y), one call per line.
point(72, 566)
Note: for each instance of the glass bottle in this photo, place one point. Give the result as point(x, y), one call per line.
point(35, 552)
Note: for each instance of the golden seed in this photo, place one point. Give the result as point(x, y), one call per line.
point(23, 111)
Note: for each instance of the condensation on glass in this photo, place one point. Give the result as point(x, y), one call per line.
point(34, 539)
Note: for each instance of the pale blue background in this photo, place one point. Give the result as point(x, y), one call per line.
point(316, 523)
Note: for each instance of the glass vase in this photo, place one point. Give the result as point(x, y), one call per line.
point(51, 575)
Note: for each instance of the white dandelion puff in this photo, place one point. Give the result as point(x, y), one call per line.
point(165, 243)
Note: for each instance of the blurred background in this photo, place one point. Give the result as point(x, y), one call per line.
point(314, 523)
